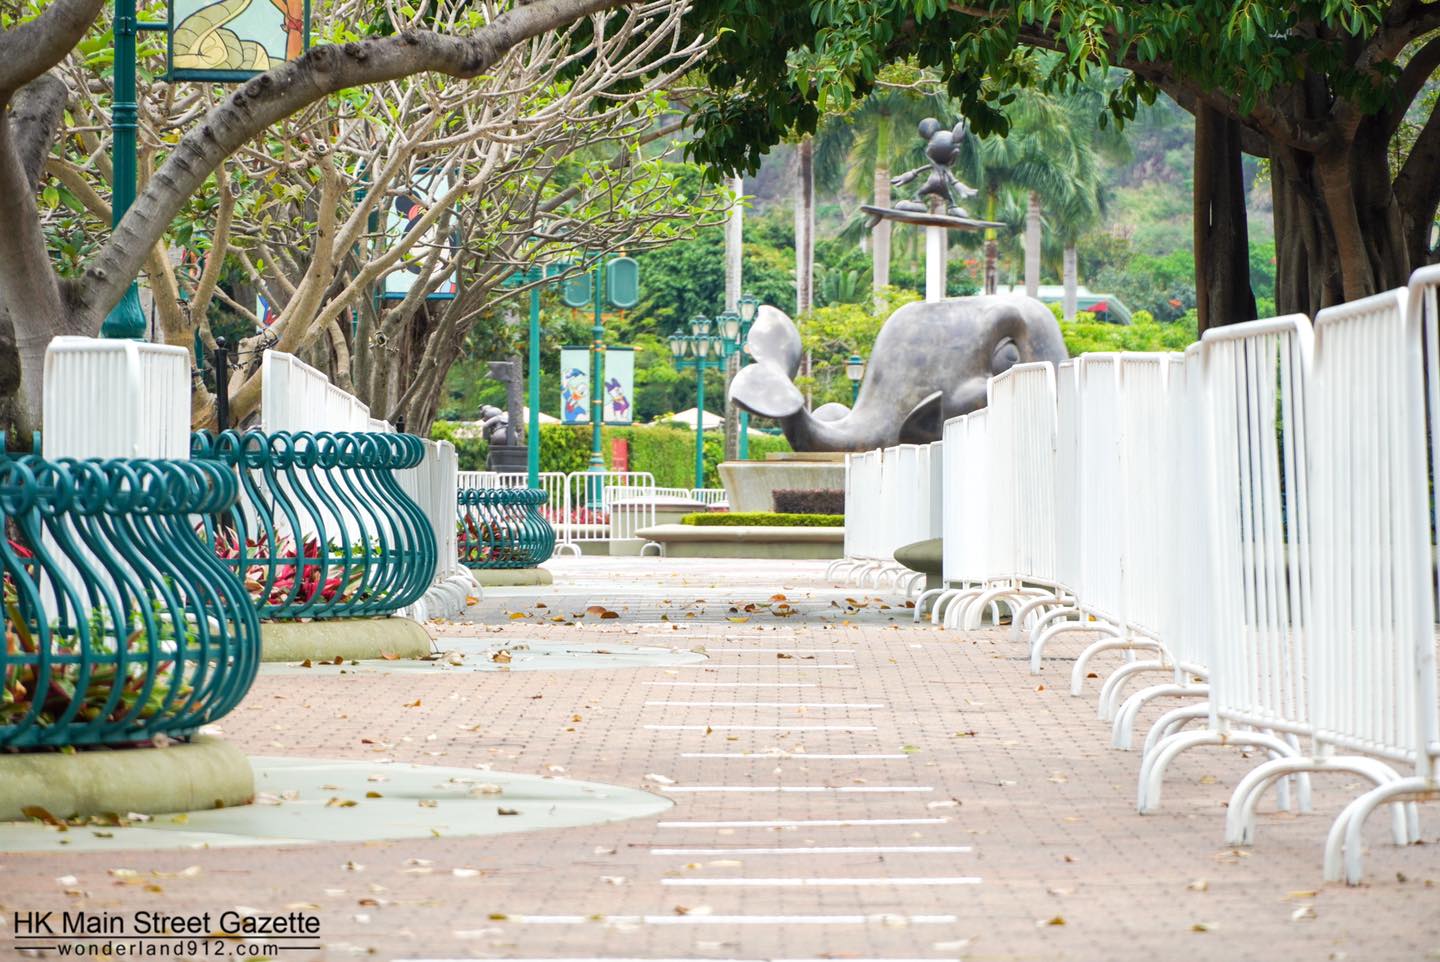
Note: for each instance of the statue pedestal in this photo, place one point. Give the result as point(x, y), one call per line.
point(507, 458)
point(751, 485)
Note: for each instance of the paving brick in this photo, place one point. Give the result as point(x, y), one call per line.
point(1020, 771)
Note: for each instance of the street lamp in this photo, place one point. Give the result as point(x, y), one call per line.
point(748, 306)
point(855, 371)
point(701, 349)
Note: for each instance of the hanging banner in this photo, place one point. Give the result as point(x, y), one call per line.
point(619, 385)
point(403, 213)
point(574, 385)
point(233, 40)
point(265, 310)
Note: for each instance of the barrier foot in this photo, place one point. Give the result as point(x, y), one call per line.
point(1344, 853)
point(1152, 770)
point(1240, 816)
point(1037, 648)
point(1122, 735)
point(1117, 642)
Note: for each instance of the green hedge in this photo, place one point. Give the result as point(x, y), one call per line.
point(764, 519)
point(666, 452)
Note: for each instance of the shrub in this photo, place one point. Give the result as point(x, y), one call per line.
point(764, 519)
point(666, 452)
point(810, 501)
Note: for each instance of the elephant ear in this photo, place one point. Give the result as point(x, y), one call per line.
point(923, 424)
point(774, 340)
point(765, 390)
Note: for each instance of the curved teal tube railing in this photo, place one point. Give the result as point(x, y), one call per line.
point(322, 528)
point(502, 528)
point(120, 624)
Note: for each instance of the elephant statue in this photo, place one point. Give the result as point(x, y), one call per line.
point(930, 363)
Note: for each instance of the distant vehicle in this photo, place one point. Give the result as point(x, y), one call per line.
point(1106, 307)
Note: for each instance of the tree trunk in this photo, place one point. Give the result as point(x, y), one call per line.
point(805, 228)
point(992, 263)
point(1072, 282)
point(1032, 246)
point(880, 271)
point(734, 282)
point(1222, 234)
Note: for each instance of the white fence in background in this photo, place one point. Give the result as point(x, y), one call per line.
point(605, 507)
point(115, 399)
point(1251, 520)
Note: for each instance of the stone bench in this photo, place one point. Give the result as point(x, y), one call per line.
point(745, 541)
point(926, 557)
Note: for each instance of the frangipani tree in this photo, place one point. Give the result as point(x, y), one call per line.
point(41, 47)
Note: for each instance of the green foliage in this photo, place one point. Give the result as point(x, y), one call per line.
point(777, 68)
point(763, 519)
point(471, 452)
point(666, 452)
point(1085, 334)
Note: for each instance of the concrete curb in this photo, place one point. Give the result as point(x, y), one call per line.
point(204, 773)
point(348, 638)
point(512, 577)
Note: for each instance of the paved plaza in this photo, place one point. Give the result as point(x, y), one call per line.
point(845, 785)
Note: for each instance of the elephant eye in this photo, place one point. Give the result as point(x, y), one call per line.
point(1006, 356)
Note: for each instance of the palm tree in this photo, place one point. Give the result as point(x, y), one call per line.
point(858, 149)
point(1043, 154)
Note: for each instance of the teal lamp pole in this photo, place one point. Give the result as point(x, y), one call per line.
point(597, 369)
point(532, 430)
point(748, 306)
point(125, 320)
point(855, 371)
point(700, 350)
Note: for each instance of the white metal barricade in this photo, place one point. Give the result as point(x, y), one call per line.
point(864, 516)
point(144, 399)
point(1183, 566)
point(1021, 440)
point(1381, 632)
point(1360, 559)
point(1254, 388)
point(604, 507)
point(1146, 529)
point(551, 482)
point(1095, 548)
point(965, 554)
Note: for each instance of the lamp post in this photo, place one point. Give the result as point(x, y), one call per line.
point(597, 370)
point(126, 320)
point(700, 350)
point(748, 306)
point(855, 371)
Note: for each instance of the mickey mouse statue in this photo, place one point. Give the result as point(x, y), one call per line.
point(942, 146)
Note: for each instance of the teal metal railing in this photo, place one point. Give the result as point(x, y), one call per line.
point(120, 624)
point(322, 528)
point(503, 528)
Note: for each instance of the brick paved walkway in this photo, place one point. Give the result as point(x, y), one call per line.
point(846, 785)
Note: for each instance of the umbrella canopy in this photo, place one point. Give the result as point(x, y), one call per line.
point(686, 419)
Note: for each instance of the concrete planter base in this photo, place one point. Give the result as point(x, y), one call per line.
point(751, 485)
point(512, 577)
point(204, 773)
point(348, 638)
point(747, 541)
